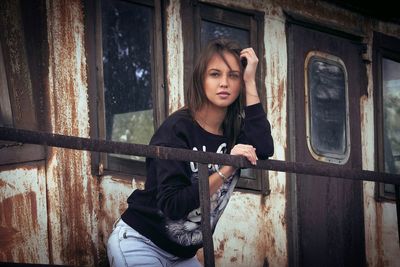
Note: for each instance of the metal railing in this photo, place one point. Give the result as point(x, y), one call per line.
point(203, 158)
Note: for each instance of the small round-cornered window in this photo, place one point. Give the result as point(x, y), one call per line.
point(327, 108)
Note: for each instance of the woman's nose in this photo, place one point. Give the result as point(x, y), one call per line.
point(224, 81)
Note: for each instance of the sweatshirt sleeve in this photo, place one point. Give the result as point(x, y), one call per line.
point(256, 131)
point(177, 195)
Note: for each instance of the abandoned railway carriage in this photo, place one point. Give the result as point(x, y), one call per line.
point(329, 79)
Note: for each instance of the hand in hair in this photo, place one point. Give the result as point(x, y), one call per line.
point(249, 74)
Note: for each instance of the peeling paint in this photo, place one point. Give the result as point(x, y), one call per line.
point(174, 57)
point(235, 242)
point(275, 247)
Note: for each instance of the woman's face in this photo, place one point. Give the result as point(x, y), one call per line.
point(221, 83)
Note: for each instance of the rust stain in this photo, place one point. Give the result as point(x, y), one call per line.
point(2, 183)
point(9, 237)
point(378, 231)
point(69, 75)
point(278, 97)
point(219, 250)
point(239, 235)
point(269, 240)
point(282, 220)
point(18, 221)
point(200, 256)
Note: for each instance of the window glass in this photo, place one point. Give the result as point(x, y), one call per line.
point(127, 68)
point(5, 105)
point(327, 96)
point(391, 114)
point(211, 30)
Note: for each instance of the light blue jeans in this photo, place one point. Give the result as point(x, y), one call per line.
point(126, 247)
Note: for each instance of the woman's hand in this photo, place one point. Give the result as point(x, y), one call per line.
point(249, 76)
point(245, 150)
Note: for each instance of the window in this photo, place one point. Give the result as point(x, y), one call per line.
point(387, 83)
point(130, 77)
point(209, 22)
point(5, 107)
point(327, 115)
point(20, 76)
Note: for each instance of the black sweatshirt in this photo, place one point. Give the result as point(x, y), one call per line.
point(167, 211)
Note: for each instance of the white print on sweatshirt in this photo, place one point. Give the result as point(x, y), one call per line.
point(221, 150)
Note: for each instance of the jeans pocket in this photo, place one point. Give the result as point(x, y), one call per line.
point(128, 232)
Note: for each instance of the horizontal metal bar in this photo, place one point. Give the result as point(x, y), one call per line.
point(80, 143)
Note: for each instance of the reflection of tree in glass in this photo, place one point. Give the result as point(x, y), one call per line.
point(392, 115)
point(133, 127)
point(328, 106)
point(211, 30)
point(126, 58)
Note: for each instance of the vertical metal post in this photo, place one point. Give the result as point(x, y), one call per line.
point(204, 191)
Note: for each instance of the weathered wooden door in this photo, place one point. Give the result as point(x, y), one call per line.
point(327, 80)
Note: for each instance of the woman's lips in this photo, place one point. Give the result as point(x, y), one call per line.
point(223, 94)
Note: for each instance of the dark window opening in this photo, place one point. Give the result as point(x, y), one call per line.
point(127, 41)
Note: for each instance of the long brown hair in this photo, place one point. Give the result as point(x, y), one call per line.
point(196, 96)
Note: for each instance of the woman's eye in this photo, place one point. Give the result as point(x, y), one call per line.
point(214, 74)
point(234, 75)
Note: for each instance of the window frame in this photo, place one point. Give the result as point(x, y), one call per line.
point(193, 13)
point(384, 46)
point(103, 163)
point(329, 158)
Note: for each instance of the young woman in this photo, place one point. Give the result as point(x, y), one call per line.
point(161, 226)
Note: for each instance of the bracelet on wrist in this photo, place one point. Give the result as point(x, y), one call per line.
point(223, 177)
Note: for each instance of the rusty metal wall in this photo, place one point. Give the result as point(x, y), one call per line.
point(57, 212)
point(72, 190)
